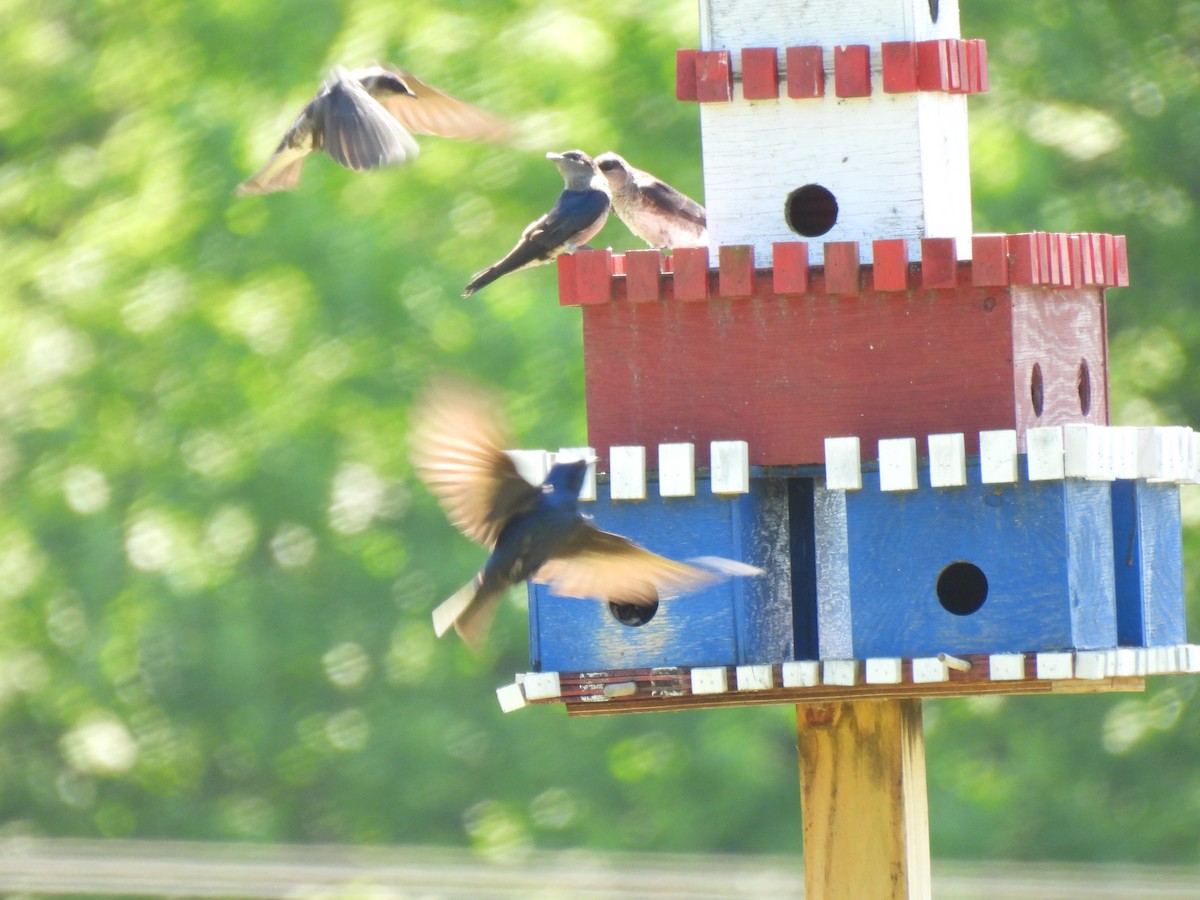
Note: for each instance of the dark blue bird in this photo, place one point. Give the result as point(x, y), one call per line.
point(533, 532)
point(579, 214)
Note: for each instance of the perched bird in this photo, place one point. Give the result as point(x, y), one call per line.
point(533, 532)
point(652, 209)
point(362, 119)
point(579, 214)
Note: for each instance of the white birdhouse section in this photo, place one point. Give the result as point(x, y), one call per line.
point(835, 156)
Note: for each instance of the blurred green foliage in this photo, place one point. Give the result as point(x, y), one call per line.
point(216, 569)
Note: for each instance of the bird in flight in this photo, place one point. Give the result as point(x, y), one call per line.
point(364, 118)
point(652, 209)
point(576, 217)
point(534, 532)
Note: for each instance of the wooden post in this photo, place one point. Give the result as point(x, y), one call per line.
point(863, 799)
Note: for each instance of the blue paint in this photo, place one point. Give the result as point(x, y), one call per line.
point(740, 620)
point(1042, 547)
point(1148, 562)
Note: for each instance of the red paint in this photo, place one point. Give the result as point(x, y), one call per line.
point(933, 65)
point(889, 265)
point(785, 373)
point(805, 73)
point(643, 281)
point(1056, 328)
point(1045, 264)
point(976, 66)
point(685, 75)
point(957, 59)
point(735, 273)
point(714, 76)
point(593, 276)
point(566, 280)
point(760, 73)
point(790, 275)
point(841, 267)
point(1096, 245)
point(1023, 248)
point(691, 273)
point(899, 60)
point(1074, 264)
point(1120, 261)
point(980, 47)
point(989, 260)
point(852, 71)
point(939, 263)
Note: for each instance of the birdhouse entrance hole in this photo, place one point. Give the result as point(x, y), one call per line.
point(811, 210)
point(632, 614)
point(1084, 383)
point(1037, 395)
point(933, 10)
point(961, 588)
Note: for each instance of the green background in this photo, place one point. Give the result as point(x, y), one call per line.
point(216, 568)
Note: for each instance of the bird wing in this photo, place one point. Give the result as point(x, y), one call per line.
point(598, 565)
point(456, 442)
point(430, 111)
point(356, 130)
point(576, 213)
point(670, 200)
point(281, 172)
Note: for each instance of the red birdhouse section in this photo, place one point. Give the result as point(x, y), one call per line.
point(785, 357)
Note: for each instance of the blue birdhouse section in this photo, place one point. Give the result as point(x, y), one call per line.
point(1148, 548)
point(981, 568)
point(736, 621)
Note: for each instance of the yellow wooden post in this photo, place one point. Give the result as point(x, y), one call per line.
point(864, 803)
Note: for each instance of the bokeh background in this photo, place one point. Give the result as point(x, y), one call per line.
point(216, 567)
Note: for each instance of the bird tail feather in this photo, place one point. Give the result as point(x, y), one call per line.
point(470, 610)
point(724, 566)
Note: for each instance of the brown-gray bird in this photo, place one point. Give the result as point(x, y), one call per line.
point(363, 118)
point(533, 532)
point(652, 209)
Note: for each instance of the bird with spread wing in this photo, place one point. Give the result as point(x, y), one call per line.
point(533, 531)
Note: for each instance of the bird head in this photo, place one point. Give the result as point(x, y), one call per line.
point(575, 166)
point(614, 168)
point(565, 480)
point(381, 82)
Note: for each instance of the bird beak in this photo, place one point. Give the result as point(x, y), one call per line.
point(554, 156)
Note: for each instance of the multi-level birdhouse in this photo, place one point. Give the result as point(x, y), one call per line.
point(905, 424)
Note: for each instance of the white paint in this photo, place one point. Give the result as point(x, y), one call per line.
point(929, 670)
point(511, 698)
point(1044, 459)
point(843, 464)
point(1091, 664)
point(843, 672)
point(1124, 442)
point(801, 673)
point(1193, 658)
point(998, 456)
point(947, 460)
point(884, 671)
point(835, 638)
point(754, 678)
point(898, 464)
point(1128, 663)
point(730, 467)
point(1006, 666)
point(627, 473)
point(781, 23)
point(709, 680)
point(1087, 452)
point(897, 165)
point(1168, 453)
point(1054, 666)
point(614, 690)
point(532, 465)
point(569, 454)
point(541, 685)
point(677, 470)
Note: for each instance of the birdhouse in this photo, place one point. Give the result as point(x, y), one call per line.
point(904, 423)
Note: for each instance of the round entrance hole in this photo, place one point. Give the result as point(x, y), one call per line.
point(811, 210)
point(961, 588)
point(633, 614)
